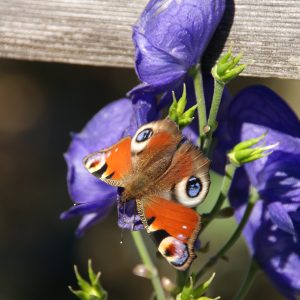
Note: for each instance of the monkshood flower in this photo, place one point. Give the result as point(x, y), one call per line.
point(273, 230)
point(93, 199)
point(170, 38)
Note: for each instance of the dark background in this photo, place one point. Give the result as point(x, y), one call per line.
point(40, 104)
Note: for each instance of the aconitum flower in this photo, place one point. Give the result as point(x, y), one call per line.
point(273, 230)
point(93, 198)
point(170, 38)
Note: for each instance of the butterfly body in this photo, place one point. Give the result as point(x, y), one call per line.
point(164, 173)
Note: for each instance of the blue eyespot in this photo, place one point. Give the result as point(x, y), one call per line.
point(193, 187)
point(144, 135)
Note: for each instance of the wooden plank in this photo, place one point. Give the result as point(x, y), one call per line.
point(94, 32)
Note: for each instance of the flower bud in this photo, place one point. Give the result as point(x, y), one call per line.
point(168, 284)
point(89, 290)
point(227, 67)
point(177, 113)
point(142, 271)
point(189, 292)
point(242, 153)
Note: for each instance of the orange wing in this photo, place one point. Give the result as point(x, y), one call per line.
point(111, 165)
point(173, 227)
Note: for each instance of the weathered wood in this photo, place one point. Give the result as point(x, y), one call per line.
point(95, 32)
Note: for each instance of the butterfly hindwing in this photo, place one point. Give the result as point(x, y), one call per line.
point(173, 227)
point(111, 165)
point(187, 178)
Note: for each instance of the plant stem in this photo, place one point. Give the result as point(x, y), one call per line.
point(248, 281)
point(226, 183)
point(139, 243)
point(235, 236)
point(212, 122)
point(181, 279)
point(202, 119)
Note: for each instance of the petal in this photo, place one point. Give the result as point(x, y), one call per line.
point(259, 106)
point(281, 218)
point(88, 221)
point(86, 208)
point(128, 217)
point(273, 225)
point(171, 36)
point(279, 179)
point(276, 251)
point(144, 111)
point(284, 156)
point(158, 70)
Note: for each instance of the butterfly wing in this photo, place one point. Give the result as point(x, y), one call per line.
point(173, 227)
point(112, 165)
point(178, 171)
point(153, 147)
point(187, 178)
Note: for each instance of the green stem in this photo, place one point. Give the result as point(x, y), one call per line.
point(212, 119)
point(248, 281)
point(202, 119)
point(139, 243)
point(226, 183)
point(235, 236)
point(181, 279)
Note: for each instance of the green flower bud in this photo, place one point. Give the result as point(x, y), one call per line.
point(227, 67)
point(89, 290)
point(177, 113)
point(242, 153)
point(189, 293)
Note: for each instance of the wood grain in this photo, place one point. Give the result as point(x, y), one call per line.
point(94, 32)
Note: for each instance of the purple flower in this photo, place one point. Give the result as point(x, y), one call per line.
point(273, 231)
point(93, 198)
point(170, 38)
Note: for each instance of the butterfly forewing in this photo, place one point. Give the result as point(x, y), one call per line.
point(111, 165)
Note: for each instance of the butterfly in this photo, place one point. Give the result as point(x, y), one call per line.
point(166, 175)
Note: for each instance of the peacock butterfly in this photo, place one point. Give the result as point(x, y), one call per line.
point(166, 175)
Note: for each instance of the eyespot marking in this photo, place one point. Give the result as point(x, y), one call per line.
point(193, 187)
point(144, 135)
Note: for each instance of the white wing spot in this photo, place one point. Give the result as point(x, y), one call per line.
point(117, 149)
point(184, 227)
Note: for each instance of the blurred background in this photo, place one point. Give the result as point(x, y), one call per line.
point(40, 104)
